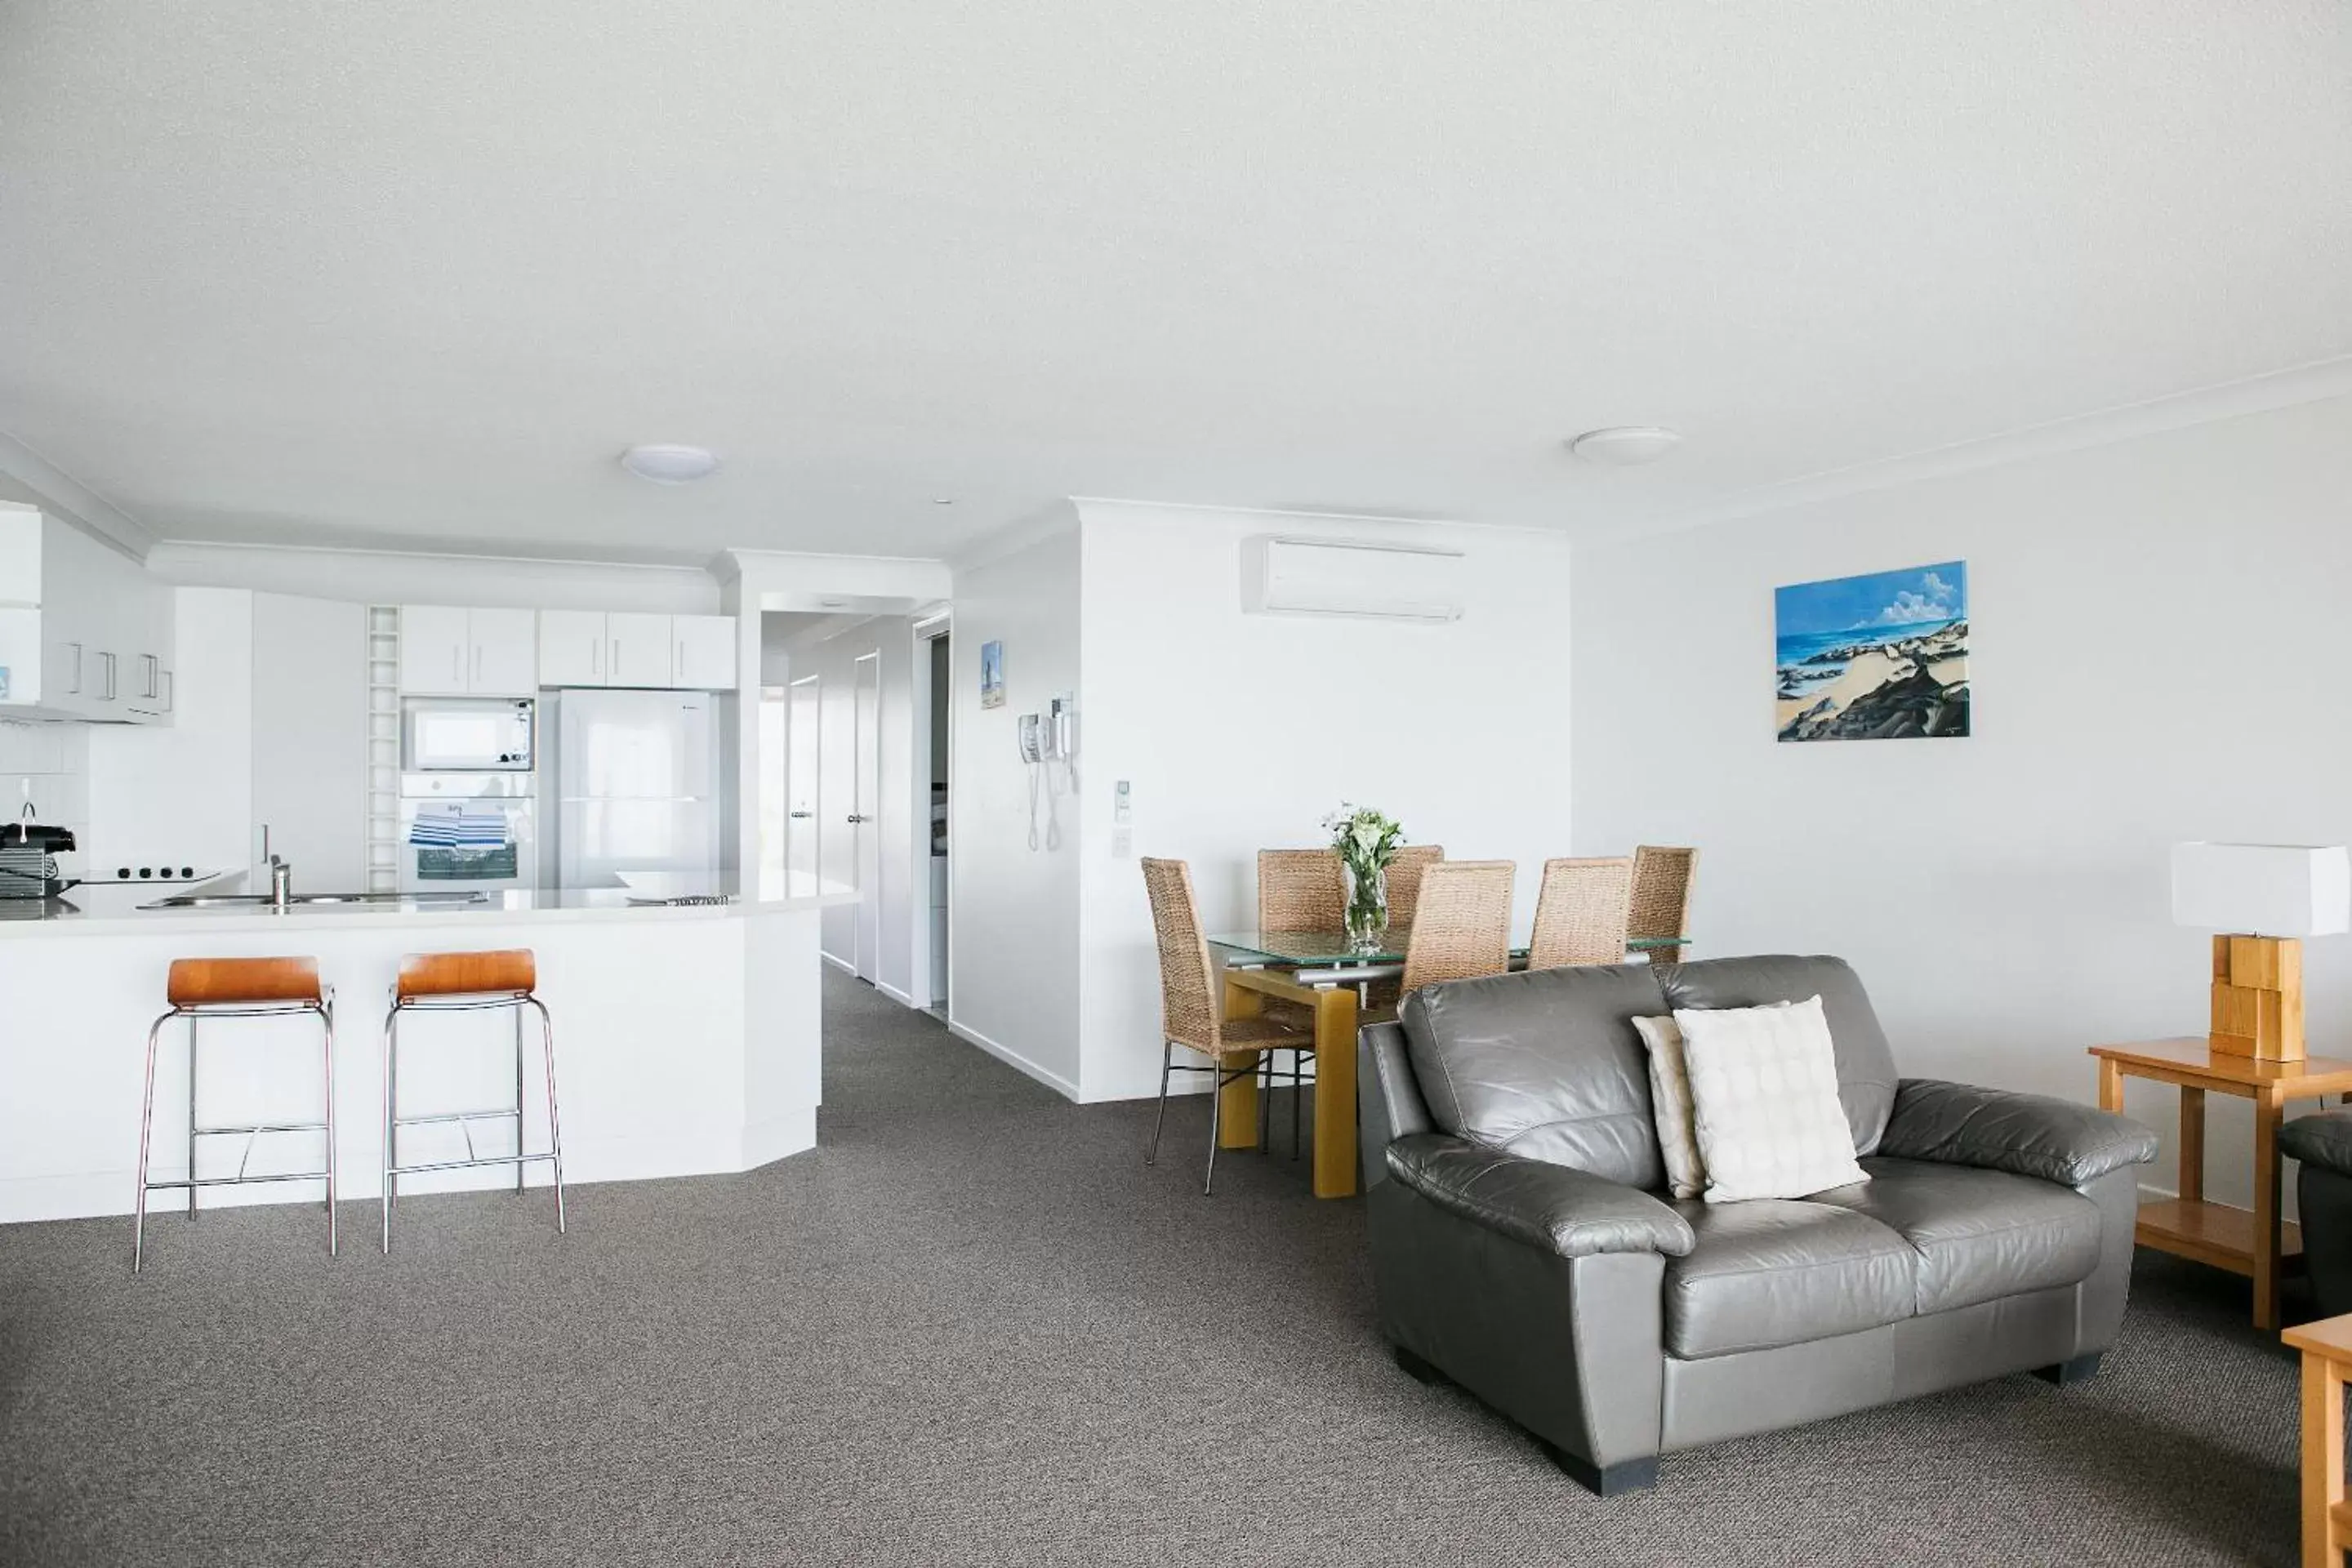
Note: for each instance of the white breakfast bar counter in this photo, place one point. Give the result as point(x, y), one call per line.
point(687, 1042)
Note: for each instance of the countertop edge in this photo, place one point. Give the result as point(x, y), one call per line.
point(160, 923)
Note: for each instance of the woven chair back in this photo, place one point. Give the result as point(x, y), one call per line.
point(1663, 876)
point(1463, 926)
point(1581, 912)
point(1188, 985)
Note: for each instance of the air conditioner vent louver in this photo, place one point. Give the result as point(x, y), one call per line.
point(1348, 577)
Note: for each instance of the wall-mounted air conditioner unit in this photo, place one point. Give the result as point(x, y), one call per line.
point(1349, 577)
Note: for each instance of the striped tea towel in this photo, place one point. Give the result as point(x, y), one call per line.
point(453, 827)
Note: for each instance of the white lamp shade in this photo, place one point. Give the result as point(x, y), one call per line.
point(2263, 890)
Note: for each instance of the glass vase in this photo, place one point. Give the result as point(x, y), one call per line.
point(1368, 905)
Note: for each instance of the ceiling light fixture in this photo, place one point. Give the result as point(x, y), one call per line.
point(834, 604)
point(669, 465)
point(1625, 446)
point(943, 500)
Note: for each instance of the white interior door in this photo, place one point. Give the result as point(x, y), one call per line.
point(867, 845)
point(310, 738)
point(802, 727)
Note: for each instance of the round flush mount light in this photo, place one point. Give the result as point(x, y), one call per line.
point(1625, 446)
point(832, 604)
point(669, 465)
point(943, 500)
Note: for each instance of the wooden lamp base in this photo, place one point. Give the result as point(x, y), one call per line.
point(2258, 997)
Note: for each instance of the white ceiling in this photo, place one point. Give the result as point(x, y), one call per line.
point(409, 273)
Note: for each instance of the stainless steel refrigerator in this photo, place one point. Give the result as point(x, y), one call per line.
point(637, 789)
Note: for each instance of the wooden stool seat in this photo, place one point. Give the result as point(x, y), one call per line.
point(510, 971)
point(242, 982)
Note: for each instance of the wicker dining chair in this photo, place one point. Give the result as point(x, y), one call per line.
point(1405, 880)
point(1301, 890)
point(1463, 927)
point(1192, 1007)
point(1663, 876)
point(1581, 912)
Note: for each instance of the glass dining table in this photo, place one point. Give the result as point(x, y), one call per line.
point(1324, 971)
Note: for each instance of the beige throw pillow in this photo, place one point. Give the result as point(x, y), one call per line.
point(1764, 1101)
point(1670, 1106)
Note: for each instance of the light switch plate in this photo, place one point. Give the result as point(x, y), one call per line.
point(1119, 805)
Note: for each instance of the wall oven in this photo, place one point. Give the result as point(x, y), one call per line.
point(465, 735)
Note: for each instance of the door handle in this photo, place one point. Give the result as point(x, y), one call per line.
point(110, 675)
point(596, 658)
point(75, 691)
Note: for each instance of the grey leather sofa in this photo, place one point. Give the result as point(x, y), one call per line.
point(2322, 1196)
point(1522, 1245)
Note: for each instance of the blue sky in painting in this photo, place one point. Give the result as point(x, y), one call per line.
point(1879, 599)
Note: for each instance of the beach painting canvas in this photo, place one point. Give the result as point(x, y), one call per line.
point(1878, 657)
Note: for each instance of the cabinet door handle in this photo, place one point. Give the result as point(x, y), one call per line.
point(75, 691)
point(150, 676)
point(596, 658)
point(616, 660)
point(678, 670)
point(456, 663)
point(855, 818)
point(800, 814)
point(477, 664)
point(109, 675)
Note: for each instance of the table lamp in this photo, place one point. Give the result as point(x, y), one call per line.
point(2264, 897)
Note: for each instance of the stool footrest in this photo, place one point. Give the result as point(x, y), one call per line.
point(471, 1164)
point(237, 1181)
point(273, 1127)
point(509, 1112)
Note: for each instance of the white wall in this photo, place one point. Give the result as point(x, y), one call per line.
point(1012, 942)
point(2158, 654)
point(1241, 732)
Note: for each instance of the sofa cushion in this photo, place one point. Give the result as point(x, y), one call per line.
point(1778, 1271)
point(1765, 1103)
point(1544, 1065)
point(1865, 1067)
point(1981, 1234)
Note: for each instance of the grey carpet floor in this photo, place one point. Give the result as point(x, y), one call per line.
point(972, 1327)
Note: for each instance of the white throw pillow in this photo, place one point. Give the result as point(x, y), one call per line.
point(1764, 1101)
point(1670, 1106)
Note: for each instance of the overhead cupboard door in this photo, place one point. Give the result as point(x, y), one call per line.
point(636, 649)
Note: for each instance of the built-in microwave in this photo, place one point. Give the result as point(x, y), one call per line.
point(465, 735)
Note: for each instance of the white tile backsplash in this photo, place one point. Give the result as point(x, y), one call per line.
point(48, 766)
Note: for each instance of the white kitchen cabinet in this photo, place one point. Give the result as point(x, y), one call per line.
point(84, 632)
point(572, 648)
point(435, 652)
point(703, 652)
point(506, 652)
point(636, 649)
point(448, 651)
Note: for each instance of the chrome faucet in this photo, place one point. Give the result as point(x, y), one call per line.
point(282, 883)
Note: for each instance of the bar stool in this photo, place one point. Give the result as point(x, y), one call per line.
point(199, 988)
point(467, 982)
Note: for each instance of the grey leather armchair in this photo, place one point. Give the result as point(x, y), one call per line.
point(1522, 1247)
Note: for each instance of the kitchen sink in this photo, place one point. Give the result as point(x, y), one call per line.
point(264, 901)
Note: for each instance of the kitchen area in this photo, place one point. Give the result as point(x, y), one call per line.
point(202, 772)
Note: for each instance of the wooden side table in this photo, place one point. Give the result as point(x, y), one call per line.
point(2326, 1348)
point(2255, 1244)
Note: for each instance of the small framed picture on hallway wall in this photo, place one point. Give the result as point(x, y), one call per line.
point(1883, 656)
point(992, 675)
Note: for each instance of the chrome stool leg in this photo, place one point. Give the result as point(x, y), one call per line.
point(554, 1122)
point(146, 1131)
point(1167, 1055)
point(391, 1119)
point(326, 1058)
point(192, 1116)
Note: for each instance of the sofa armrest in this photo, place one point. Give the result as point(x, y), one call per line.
point(2024, 1135)
point(2324, 1140)
point(1566, 1210)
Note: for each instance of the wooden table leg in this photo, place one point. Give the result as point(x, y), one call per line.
point(1335, 1092)
point(2192, 1145)
point(2266, 1212)
point(1237, 1117)
point(2322, 1457)
point(2111, 1086)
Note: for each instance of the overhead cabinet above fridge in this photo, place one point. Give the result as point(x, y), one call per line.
point(631, 649)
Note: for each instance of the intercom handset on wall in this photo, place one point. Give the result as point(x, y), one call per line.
point(1047, 741)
